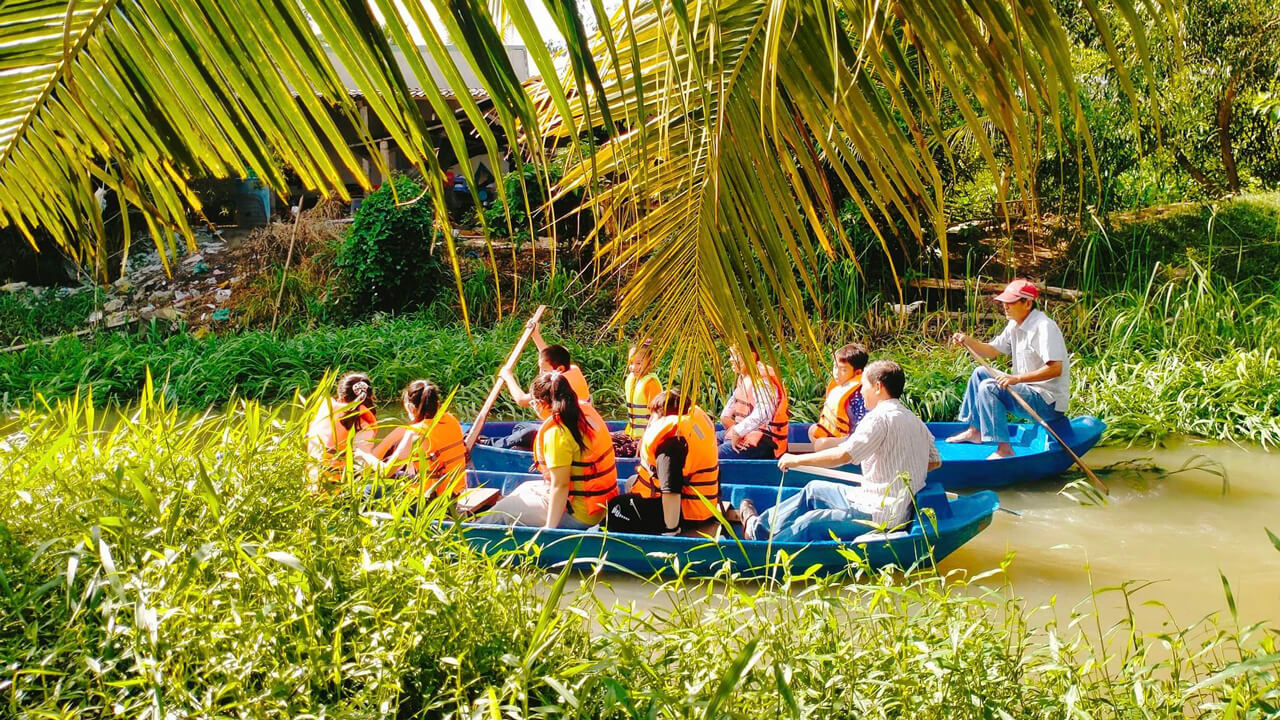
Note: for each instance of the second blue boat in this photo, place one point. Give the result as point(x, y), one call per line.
point(1037, 455)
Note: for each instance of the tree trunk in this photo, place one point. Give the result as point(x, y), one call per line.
point(1225, 106)
point(1196, 173)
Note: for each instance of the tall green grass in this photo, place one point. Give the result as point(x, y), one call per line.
point(163, 565)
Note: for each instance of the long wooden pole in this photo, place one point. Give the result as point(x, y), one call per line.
point(478, 425)
point(1036, 416)
point(853, 478)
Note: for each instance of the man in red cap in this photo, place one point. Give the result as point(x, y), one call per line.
point(1040, 371)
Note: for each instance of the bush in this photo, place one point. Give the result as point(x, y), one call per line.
point(386, 257)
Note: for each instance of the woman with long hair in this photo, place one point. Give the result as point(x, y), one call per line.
point(430, 447)
point(343, 427)
point(574, 453)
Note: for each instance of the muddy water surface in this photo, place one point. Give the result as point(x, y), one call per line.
point(1176, 531)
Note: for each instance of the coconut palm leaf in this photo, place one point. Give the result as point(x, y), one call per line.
point(731, 127)
point(746, 118)
point(140, 96)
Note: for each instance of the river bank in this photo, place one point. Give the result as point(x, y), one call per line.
point(1146, 394)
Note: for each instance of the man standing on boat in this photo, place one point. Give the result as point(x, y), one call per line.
point(1041, 374)
point(896, 452)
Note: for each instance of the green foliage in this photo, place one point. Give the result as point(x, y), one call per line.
point(173, 566)
point(386, 258)
point(30, 315)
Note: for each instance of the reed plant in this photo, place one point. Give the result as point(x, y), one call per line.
point(159, 564)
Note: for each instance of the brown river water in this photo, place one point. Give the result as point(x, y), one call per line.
point(1177, 531)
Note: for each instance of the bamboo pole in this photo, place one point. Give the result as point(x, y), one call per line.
point(476, 426)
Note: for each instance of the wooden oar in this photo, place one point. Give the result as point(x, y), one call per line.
point(854, 478)
point(478, 425)
point(1036, 416)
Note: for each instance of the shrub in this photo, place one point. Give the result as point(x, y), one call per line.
point(386, 258)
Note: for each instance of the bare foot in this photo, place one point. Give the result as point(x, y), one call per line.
point(970, 435)
point(1003, 450)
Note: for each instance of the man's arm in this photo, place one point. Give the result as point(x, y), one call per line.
point(831, 457)
point(1049, 371)
point(986, 350)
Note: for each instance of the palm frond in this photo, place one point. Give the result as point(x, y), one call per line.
point(745, 118)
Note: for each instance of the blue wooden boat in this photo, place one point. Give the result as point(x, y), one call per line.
point(1037, 455)
point(941, 526)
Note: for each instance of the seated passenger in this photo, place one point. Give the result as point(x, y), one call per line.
point(678, 480)
point(843, 406)
point(756, 416)
point(638, 390)
point(896, 451)
point(574, 453)
point(431, 448)
point(343, 425)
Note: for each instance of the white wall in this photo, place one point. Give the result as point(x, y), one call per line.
point(518, 55)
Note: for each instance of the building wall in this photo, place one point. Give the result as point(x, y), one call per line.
point(518, 55)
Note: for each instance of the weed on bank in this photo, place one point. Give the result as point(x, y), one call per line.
point(164, 565)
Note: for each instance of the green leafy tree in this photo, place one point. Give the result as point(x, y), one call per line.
point(386, 258)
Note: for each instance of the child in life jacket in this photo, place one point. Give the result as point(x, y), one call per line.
point(430, 448)
point(638, 391)
point(842, 408)
point(551, 358)
point(344, 426)
point(574, 453)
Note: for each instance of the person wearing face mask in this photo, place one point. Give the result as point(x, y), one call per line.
point(756, 416)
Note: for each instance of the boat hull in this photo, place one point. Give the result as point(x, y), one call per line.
point(946, 525)
point(1037, 455)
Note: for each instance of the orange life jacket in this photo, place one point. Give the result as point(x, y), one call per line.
point(442, 466)
point(744, 401)
point(834, 420)
point(333, 435)
point(701, 489)
point(578, 382)
point(639, 392)
point(593, 476)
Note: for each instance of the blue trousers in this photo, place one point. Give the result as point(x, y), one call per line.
point(521, 437)
point(817, 512)
point(987, 406)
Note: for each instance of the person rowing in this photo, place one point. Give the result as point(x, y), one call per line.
point(551, 358)
point(1041, 372)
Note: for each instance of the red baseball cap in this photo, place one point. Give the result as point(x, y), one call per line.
point(1018, 290)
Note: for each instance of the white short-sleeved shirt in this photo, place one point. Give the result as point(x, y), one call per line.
point(889, 441)
point(1032, 345)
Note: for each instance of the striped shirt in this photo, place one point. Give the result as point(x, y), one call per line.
point(889, 441)
point(766, 403)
